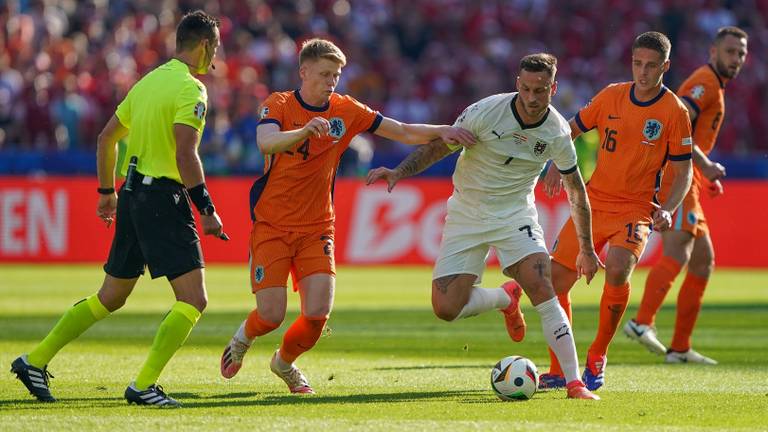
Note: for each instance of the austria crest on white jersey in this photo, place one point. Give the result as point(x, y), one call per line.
point(495, 178)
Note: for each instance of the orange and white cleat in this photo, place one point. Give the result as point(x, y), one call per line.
point(296, 381)
point(577, 390)
point(513, 316)
point(232, 358)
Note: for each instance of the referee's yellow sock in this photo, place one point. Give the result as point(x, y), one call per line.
point(74, 322)
point(169, 338)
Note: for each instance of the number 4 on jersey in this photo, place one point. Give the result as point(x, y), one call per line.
point(304, 150)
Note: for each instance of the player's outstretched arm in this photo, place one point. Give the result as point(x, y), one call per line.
point(683, 173)
point(587, 262)
point(423, 133)
point(106, 158)
point(417, 161)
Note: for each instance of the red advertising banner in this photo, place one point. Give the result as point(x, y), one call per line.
point(53, 219)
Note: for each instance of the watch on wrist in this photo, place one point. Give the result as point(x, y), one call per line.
point(105, 191)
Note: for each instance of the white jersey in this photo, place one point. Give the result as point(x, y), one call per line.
point(494, 180)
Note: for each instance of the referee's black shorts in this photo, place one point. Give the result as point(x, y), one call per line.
point(154, 228)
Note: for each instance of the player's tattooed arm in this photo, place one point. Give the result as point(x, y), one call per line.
point(587, 262)
point(422, 158)
point(580, 208)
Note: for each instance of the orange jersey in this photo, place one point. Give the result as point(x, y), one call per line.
point(637, 138)
point(295, 192)
point(704, 90)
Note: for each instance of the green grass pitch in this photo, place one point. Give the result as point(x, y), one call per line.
point(385, 364)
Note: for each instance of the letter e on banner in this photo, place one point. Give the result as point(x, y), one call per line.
point(382, 227)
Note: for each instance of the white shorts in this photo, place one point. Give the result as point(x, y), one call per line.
point(464, 247)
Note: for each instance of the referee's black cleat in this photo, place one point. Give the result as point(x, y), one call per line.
point(154, 396)
point(35, 379)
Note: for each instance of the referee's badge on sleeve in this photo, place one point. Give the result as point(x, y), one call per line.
point(200, 110)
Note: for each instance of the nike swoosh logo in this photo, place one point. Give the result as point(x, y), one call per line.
point(634, 330)
point(611, 117)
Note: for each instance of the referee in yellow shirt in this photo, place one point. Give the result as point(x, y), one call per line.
point(163, 117)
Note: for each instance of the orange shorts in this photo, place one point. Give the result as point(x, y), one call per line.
point(629, 230)
point(689, 216)
point(275, 253)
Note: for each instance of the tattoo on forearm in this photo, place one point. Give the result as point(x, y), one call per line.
point(540, 267)
point(422, 158)
point(580, 209)
point(443, 283)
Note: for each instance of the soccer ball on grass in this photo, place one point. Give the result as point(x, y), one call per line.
point(514, 378)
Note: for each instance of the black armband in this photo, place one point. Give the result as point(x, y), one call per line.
point(200, 197)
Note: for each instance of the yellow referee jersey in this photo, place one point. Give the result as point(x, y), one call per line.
point(167, 95)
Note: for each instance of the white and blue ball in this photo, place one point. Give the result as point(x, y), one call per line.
point(514, 378)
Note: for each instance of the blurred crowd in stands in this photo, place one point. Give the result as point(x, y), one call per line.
point(65, 64)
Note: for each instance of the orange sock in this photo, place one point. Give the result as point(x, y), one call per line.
point(301, 337)
point(688, 307)
point(255, 326)
point(657, 286)
point(565, 302)
point(612, 306)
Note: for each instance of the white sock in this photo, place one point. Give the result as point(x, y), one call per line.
point(240, 335)
point(482, 300)
point(559, 336)
point(283, 365)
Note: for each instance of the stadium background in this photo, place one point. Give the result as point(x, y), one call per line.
point(64, 65)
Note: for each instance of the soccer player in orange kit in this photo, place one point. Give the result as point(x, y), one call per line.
point(688, 241)
point(642, 125)
point(303, 134)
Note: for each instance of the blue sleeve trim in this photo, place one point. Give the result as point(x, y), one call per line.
point(579, 123)
point(693, 104)
point(273, 121)
point(682, 157)
point(376, 123)
point(569, 170)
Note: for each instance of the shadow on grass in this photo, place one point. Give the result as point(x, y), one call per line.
point(368, 398)
point(433, 366)
point(194, 400)
point(61, 403)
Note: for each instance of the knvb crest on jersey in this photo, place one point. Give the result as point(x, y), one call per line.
point(338, 129)
point(652, 129)
point(539, 148)
point(264, 112)
point(258, 274)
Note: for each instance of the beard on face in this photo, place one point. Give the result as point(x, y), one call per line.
point(725, 71)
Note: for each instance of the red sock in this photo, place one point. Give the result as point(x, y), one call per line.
point(612, 306)
point(688, 307)
point(255, 326)
point(657, 286)
point(301, 337)
point(554, 365)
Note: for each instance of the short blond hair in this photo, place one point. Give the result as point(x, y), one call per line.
point(316, 49)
